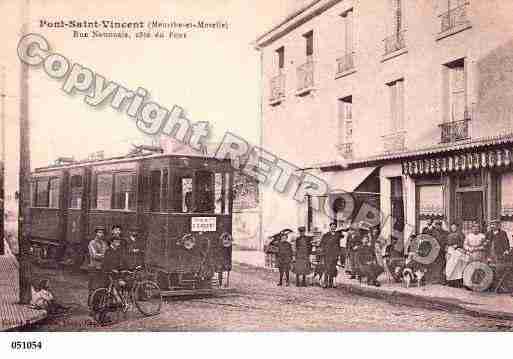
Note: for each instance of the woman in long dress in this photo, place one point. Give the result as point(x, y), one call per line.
point(475, 244)
point(457, 260)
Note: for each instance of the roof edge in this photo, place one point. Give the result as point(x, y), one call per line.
point(268, 37)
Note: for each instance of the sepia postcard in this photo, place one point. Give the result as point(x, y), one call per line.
point(255, 166)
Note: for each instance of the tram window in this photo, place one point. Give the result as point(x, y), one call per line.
point(42, 193)
point(186, 194)
point(124, 191)
point(204, 192)
point(53, 195)
point(76, 189)
point(227, 193)
point(218, 193)
point(155, 191)
point(165, 190)
point(104, 191)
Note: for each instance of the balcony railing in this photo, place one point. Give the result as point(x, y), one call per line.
point(345, 150)
point(395, 42)
point(345, 63)
point(454, 18)
point(455, 131)
point(394, 142)
point(305, 76)
point(277, 88)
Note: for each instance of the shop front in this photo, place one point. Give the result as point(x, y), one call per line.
point(464, 187)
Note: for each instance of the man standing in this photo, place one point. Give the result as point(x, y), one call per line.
point(284, 257)
point(354, 241)
point(115, 233)
point(134, 250)
point(330, 249)
point(115, 257)
point(497, 241)
point(97, 248)
point(438, 267)
point(303, 251)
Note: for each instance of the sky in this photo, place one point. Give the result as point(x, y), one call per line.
point(213, 75)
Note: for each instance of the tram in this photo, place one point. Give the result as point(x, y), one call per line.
point(179, 206)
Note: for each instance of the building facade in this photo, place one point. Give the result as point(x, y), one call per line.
point(406, 104)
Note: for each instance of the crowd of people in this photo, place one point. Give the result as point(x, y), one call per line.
point(364, 254)
point(112, 254)
point(350, 248)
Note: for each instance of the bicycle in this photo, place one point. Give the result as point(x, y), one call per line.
point(118, 296)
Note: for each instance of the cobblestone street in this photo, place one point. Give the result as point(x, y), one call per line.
point(260, 305)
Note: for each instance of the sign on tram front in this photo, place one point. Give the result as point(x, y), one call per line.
point(203, 224)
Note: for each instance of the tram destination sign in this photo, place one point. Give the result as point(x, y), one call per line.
point(203, 224)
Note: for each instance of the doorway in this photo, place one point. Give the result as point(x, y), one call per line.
point(469, 209)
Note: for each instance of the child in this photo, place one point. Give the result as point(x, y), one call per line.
point(43, 299)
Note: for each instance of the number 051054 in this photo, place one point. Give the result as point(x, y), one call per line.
point(21, 345)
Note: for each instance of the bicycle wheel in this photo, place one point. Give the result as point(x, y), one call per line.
point(147, 298)
point(101, 305)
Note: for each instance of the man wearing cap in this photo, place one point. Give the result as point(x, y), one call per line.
point(497, 242)
point(330, 250)
point(97, 248)
point(303, 251)
point(115, 233)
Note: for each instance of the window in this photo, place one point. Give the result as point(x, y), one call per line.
point(53, 193)
point(395, 39)
point(454, 17)
point(347, 18)
point(155, 191)
point(218, 193)
point(76, 189)
point(345, 111)
point(205, 201)
point(181, 195)
point(281, 57)
point(42, 192)
point(397, 16)
point(115, 191)
point(103, 191)
point(227, 193)
point(455, 84)
point(396, 95)
point(124, 191)
point(159, 190)
point(309, 44)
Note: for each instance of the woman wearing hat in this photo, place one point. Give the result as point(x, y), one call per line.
point(284, 257)
point(303, 250)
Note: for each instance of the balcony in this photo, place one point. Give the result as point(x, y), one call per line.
point(277, 89)
point(455, 131)
point(455, 20)
point(305, 78)
point(394, 142)
point(345, 150)
point(395, 43)
point(345, 64)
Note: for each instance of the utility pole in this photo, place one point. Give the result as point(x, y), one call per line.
point(25, 268)
point(2, 162)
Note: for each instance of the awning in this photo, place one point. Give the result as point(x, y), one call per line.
point(349, 180)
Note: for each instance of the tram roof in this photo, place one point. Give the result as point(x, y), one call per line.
point(123, 159)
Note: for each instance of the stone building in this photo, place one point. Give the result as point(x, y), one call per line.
point(406, 104)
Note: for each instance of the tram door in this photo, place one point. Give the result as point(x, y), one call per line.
point(470, 209)
point(76, 216)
